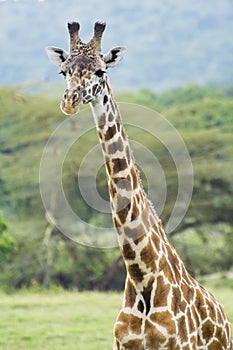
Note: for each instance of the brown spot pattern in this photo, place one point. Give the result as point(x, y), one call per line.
point(108, 166)
point(134, 178)
point(191, 323)
point(140, 306)
point(128, 252)
point(135, 210)
point(119, 164)
point(122, 183)
point(112, 191)
point(145, 218)
point(131, 322)
point(135, 273)
point(102, 121)
point(208, 330)
point(134, 344)
point(172, 344)
point(127, 152)
point(123, 208)
point(178, 303)
point(165, 267)
point(182, 329)
point(110, 117)
point(164, 319)
point(136, 233)
point(154, 338)
point(111, 131)
point(105, 100)
point(215, 345)
point(148, 256)
point(188, 292)
point(155, 239)
point(130, 294)
point(161, 293)
point(113, 148)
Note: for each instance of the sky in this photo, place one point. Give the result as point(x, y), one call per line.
point(169, 43)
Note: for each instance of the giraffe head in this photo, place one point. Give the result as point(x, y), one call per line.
point(84, 67)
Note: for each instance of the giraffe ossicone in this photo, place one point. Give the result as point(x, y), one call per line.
point(163, 306)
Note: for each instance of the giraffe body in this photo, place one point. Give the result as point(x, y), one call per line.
point(163, 308)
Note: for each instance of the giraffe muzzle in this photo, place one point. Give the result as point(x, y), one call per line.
point(70, 103)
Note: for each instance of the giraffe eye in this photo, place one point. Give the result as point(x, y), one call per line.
point(99, 73)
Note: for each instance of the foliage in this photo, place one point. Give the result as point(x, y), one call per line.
point(61, 262)
point(7, 242)
point(206, 250)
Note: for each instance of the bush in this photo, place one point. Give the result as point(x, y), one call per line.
point(7, 242)
point(206, 250)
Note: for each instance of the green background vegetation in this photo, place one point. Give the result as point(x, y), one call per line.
point(34, 250)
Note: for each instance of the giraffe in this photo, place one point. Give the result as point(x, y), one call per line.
point(163, 306)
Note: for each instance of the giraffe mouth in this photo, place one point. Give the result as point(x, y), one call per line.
point(70, 107)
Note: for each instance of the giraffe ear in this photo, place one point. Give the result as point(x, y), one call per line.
point(114, 56)
point(56, 55)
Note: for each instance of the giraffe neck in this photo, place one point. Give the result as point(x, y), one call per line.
point(133, 215)
point(127, 198)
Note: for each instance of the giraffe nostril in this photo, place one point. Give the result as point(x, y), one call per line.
point(76, 97)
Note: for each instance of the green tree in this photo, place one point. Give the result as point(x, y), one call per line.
point(7, 242)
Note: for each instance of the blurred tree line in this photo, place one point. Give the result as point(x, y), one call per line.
point(33, 251)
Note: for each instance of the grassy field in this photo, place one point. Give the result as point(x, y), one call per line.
point(53, 321)
point(67, 320)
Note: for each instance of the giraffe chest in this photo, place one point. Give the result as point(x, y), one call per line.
point(180, 327)
point(135, 334)
point(144, 332)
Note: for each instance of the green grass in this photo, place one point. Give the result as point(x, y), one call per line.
point(67, 320)
point(82, 321)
